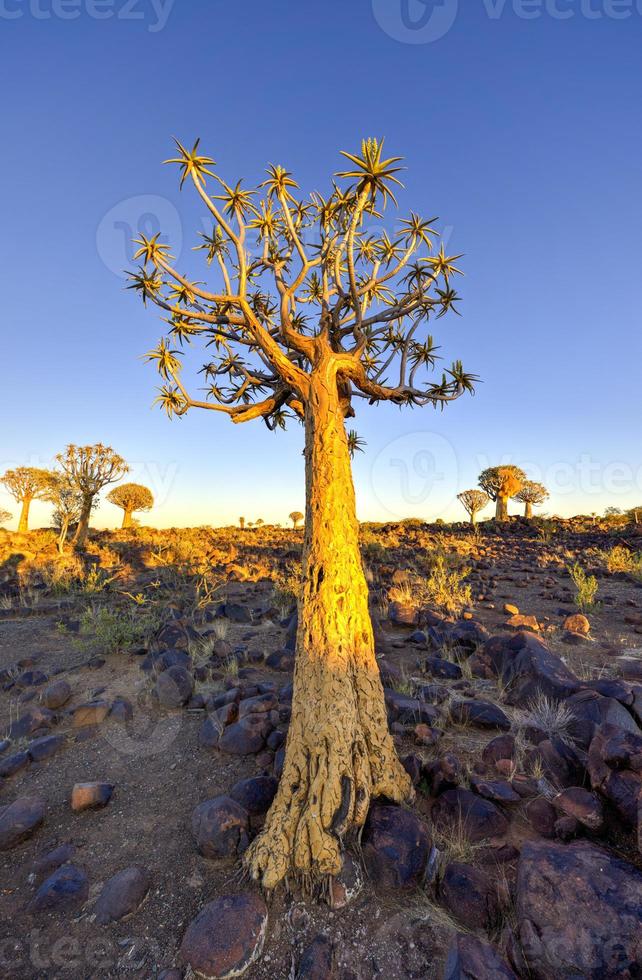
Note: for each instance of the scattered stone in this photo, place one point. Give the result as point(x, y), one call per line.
point(500, 748)
point(470, 895)
point(582, 806)
point(122, 895)
point(19, 820)
point(220, 827)
point(30, 721)
point(520, 622)
point(496, 790)
point(478, 819)
point(48, 862)
point(91, 713)
point(90, 796)
point(510, 610)
point(174, 687)
point(345, 887)
point(43, 748)
point(471, 958)
point(542, 816)
point(317, 961)
point(255, 795)
point(226, 937)
point(615, 770)
point(245, 737)
point(12, 764)
point(65, 889)
point(395, 846)
point(529, 669)
point(579, 912)
point(56, 694)
point(577, 623)
point(438, 667)
point(481, 714)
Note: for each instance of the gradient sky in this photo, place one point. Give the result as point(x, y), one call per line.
point(522, 133)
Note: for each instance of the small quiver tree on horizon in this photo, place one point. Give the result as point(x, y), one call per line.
point(532, 495)
point(131, 498)
point(473, 502)
point(501, 483)
point(89, 469)
point(5, 517)
point(296, 517)
point(322, 314)
point(25, 484)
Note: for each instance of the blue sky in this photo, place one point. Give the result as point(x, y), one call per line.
point(521, 132)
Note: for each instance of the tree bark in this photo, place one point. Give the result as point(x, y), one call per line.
point(127, 517)
point(339, 751)
point(83, 522)
point(23, 523)
point(528, 510)
point(501, 510)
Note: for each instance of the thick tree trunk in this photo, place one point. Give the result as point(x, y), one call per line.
point(23, 523)
point(501, 510)
point(528, 510)
point(339, 751)
point(127, 518)
point(83, 523)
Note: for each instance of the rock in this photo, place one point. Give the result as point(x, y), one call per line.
point(481, 714)
point(48, 862)
point(122, 895)
point(478, 819)
point(470, 895)
point(528, 668)
point(520, 622)
point(577, 623)
point(403, 614)
point(579, 912)
point(409, 711)
point(582, 806)
point(443, 773)
point(345, 886)
point(237, 613)
point(496, 790)
point(542, 816)
point(12, 764)
point(590, 710)
point(255, 795)
point(121, 710)
point(19, 820)
point(562, 764)
point(280, 660)
point(65, 889)
point(30, 721)
point(317, 961)
point(395, 847)
point(245, 737)
point(43, 748)
point(220, 827)
point(466, 636)
point(470, 958)
point(226, 937)
point(56, 694)
point(437, 667)
point(158, 662)
point(174, 687)
point(510, 610)
point(498, 749)
point(615, 770)
point(90, 796)
point(91, 713)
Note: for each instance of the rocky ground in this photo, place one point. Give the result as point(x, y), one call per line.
point(145, 699)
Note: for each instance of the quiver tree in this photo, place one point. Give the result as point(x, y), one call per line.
point(241, 522)
point(296, 517)
point(67, 503)
point(131, 497)
point(5, 516)
point(473, 501)
point(501, 483)
point(320, 314)
point(25, 484)
point(532, 494)
point(89, 469)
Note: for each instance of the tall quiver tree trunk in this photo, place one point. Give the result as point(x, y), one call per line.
point(501, 510)
point(127, 517)
point(339, 752)
point(528, 510)
point(83, 523)
point(23, 523)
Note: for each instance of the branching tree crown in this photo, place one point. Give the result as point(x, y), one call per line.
point(532, 493)
point(131, 497)
point(320, 286)
point(5, 517)
point(296, 517)
point(24, 484)
point(89, 469)
point(473, 501)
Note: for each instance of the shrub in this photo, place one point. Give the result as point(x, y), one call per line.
point(586, 586)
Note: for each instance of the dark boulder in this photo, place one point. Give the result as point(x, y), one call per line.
point(470, 958)
point(226, 937)
point(19, 820)
point(470, 896)
point(528, 668)
point(65, 889)
point(478, 819)
point(395, 847)
point(122, 895)
point(220, 828)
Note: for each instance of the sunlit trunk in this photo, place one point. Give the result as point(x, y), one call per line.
point(528, 510)
point(23, 523)
point(339, 751)
point(127, 518)
point(83, 523)
point(501, 510)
